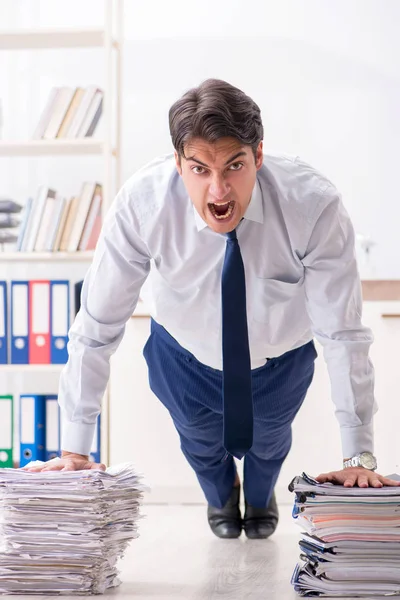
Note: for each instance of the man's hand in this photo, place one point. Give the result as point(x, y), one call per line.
point(68, 462)
point(358, 476)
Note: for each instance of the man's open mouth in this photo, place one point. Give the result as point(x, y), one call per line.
point(222, 210)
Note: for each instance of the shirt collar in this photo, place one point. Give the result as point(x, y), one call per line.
point(254, 212)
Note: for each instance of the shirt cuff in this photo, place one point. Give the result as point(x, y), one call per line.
point(77, 437)
point(357, 439)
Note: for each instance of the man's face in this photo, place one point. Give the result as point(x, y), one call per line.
point(219, 178)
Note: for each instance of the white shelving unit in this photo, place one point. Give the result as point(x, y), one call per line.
point(53, 147)
point(109, 40)
point(57, 38)
point(46, 256)
point(31, 368)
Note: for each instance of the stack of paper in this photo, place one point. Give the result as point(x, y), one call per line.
point(351, 540)
point(62, 532)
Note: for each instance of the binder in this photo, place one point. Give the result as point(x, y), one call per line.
point(19, 322)
point(53, 442)
point(77, 295)
point(3, 324)
point(32, 430)
point(6, 431)
point(94, 455)
point(59, 320)
point(39, 322)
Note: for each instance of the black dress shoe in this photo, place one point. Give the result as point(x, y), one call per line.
point(226, 522)
point(260, 523)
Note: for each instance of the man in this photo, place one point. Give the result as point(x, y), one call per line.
point(248, 257)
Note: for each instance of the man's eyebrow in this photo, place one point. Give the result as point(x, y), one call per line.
point(241, 153)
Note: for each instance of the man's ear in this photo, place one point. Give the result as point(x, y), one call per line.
point(259, 156)
point(178, 163)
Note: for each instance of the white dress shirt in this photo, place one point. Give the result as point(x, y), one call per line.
point(297, 244)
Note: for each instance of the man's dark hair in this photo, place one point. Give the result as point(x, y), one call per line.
point(214, 110)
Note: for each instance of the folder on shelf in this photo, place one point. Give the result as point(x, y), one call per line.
point(3, 323)
point(20, 322)
point(6, 431)
point(53, 442)
point(32, 423)
point(39, 322)
point(95, 449)
point(59, 319)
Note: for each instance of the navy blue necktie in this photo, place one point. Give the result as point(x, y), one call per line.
point(237, 394)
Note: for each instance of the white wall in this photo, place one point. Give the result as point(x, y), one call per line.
point(325, 74)
point(142, 430)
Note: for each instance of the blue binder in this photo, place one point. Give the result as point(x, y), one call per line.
point(52, 426)
point(95, 449)
point(20, 322)
point(3, 324)
point(59, 321)
point(32, 431)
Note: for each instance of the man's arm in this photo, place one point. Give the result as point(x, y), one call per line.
point(110, 293)
point(334, 304)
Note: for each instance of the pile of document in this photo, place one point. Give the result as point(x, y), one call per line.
point(350, 545)
point(62, 532)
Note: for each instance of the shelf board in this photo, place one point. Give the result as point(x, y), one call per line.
point(55, 147)
point(47, 256)
point(31, 368)
point(53, 38)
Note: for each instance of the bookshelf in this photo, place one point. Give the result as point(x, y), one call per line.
point(53, 147)
point(31, 368)
point(109, 40)
point(40, 39)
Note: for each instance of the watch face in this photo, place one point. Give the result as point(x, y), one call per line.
point(368, 460)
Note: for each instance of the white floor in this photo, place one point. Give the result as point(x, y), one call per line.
point(177, 556)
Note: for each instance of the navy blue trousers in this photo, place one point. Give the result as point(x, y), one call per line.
point(192, 393)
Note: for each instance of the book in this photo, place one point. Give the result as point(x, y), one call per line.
point(80, 114)
point(71, 112)
point(24, 222)
point(69, 223)
point(35, 218)
point(89, 189)
point(58, 112)
point(92, 226)
point(61, 225)
point(46, 114)
point(92, 116)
